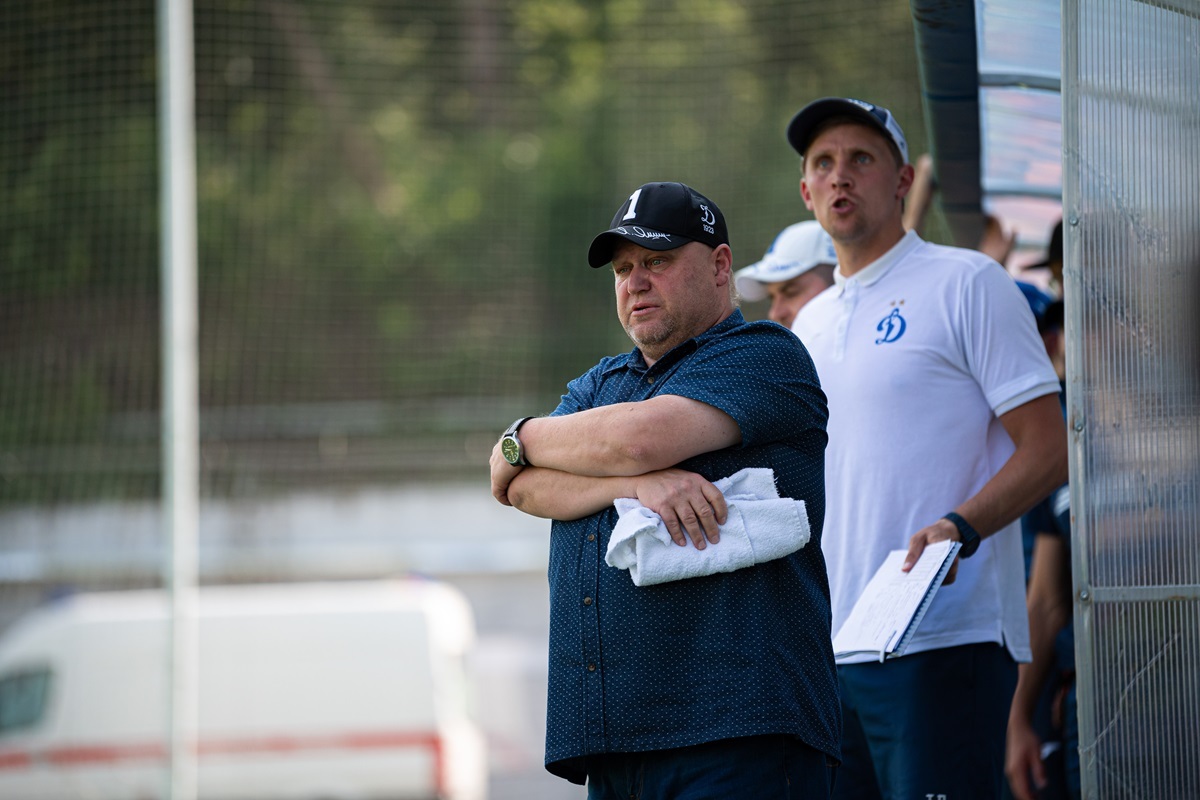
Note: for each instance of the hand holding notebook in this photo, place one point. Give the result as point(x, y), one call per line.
point(891, 606)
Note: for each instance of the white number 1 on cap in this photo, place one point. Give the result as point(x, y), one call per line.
point(632, 212)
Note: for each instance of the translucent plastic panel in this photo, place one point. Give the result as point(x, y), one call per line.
point(1131, 145)
point(1018, 37)
point(1133, 247)
point(1022, 142)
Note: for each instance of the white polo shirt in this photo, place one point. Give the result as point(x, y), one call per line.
point(919, 354)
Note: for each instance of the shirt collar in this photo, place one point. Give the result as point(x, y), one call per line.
point(878, 268)
point(635, 361)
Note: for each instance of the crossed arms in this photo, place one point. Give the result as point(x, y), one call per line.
point(586, 460)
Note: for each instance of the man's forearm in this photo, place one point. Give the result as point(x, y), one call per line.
point(1049, 603)
point(554, 494)
point(689, 505)
point(1036, 467)
point(628, 439)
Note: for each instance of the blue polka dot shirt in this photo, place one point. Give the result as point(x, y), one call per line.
point(736, 654)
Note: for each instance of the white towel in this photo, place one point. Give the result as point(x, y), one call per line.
point(761, 526)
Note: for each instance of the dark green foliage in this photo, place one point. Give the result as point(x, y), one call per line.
point(394, 202)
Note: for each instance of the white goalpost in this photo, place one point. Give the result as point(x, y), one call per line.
point(180, 423)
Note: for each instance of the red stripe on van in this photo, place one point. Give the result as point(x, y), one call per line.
point(91, 754)
point(375, 740)
point(15, 759)
point(80, 755)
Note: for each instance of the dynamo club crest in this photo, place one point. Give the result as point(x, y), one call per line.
point(891, 327)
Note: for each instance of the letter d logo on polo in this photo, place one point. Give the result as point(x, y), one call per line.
point(892, 327)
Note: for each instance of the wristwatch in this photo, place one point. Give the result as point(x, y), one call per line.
point(970, 536)
point(510, 445)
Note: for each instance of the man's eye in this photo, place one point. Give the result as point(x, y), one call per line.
point(863, 158)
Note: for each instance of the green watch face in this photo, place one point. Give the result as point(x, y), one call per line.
point(510, 448)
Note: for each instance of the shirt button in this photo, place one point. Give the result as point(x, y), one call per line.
point(591, 537)
point(591, 667)
point(587, 601)
point(649, 379)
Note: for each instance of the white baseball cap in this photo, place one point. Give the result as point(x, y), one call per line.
point(797, 249)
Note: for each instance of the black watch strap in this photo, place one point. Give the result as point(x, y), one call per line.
point(510, 443)
point(970, 536)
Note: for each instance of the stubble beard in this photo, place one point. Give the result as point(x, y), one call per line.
point(853, 229)
point(653, 340)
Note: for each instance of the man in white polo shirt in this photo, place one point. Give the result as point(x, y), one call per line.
point(944, 423)
point(797, 267)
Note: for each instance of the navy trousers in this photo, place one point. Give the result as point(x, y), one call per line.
point(760, 767)
point(927, 726)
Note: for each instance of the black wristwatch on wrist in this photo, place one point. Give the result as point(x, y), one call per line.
point(970, 536)
point(510, 445)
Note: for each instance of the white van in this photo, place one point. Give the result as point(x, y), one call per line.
point(325, 691)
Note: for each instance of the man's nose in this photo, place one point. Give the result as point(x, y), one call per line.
point(779, 313)
point(839, 175)
point(639, 279)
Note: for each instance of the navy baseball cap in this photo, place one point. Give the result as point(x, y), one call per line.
point(661, 216)
point(1052, 317)
point(801, 129)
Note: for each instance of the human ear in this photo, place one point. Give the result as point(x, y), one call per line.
point(907, 174)
point(805, 194)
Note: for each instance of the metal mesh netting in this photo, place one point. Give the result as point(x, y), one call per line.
point(394, 204)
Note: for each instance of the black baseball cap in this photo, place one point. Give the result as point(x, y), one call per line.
point(661, 216)
point(802, 127)
point(1054, 252)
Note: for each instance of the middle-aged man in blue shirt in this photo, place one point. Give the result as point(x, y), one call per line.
point(711, 687)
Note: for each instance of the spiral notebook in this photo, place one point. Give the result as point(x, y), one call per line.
point(887, 614)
